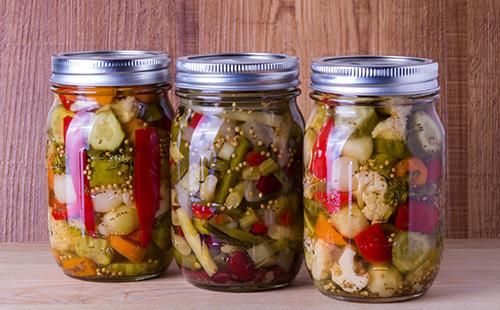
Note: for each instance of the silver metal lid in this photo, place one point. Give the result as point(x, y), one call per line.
point(374, 75)
point(237, 71)
point(110, 68)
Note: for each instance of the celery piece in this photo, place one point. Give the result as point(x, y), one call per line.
point(235, 197)
point(268, 166)
point(193, 239)
point(248, 219)
point(188, 261)
point(201, 226)
point(236, 233)
point(207, 188)
point(251, 173)
point(226, 151)
point(230, 177)
point(180, 244)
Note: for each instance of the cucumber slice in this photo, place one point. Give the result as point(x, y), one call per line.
point(98, 250)
point(133, 269)
point(106, 133)
point(384, 280)
point(358, 148)
point(425, 134)
point(108, 171)
point(56, 123)
point(410, 250)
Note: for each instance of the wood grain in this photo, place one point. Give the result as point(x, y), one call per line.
point(463, 35)
point(469, 279)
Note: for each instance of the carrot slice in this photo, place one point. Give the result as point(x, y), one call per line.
point(326, 232)
point(128, 248)
point(79, 267)
point(415, 167)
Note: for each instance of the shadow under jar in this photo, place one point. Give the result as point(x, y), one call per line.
point(373, 183)
point(107, 161)
point(236, 171)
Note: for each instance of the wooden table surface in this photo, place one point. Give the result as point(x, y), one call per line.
point(469, 279)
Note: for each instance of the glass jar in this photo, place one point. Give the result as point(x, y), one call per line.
point(373, 183)
point(107, 162)
point(236, 161)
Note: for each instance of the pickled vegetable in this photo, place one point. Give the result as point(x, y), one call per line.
point(97, 217)
point(372, 218)
point(237, 209)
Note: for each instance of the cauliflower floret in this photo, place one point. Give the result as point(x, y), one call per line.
point(343, 273)
point(61, 236)
point(371, 196)
point(394, 127)
point(126, 109)
point(324, 255)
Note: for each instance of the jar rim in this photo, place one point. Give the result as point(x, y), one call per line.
point(373, 75)
point(110, 68)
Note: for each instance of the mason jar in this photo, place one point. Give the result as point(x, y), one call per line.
point(107, 162)
point(373, 186)
point(236, 162)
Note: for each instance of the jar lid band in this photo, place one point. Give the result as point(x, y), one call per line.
point(375, 75)
point(237, 72)
point(110, 68)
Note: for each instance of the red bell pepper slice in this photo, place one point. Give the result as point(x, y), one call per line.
point(254, 158)
point(423, 218)
point(84, 198)
point(195, 119)
point(332, 201)
point(402, 217)
point(268, 184)
point(286, 218)
point(67, 100)
point(59, 211)
point(202, 212)
point(259, 228)
point(373, 244)
point(318, 165)
point(434, 170)
point(66, 121)
point(147, 170)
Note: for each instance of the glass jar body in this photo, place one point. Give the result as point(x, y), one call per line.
point(108, 181)
point(236, 160)
point(373, 196)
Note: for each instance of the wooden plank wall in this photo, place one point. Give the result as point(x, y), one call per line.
point(463, 35)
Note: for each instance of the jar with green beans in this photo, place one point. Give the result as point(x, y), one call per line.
point(236, 161)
